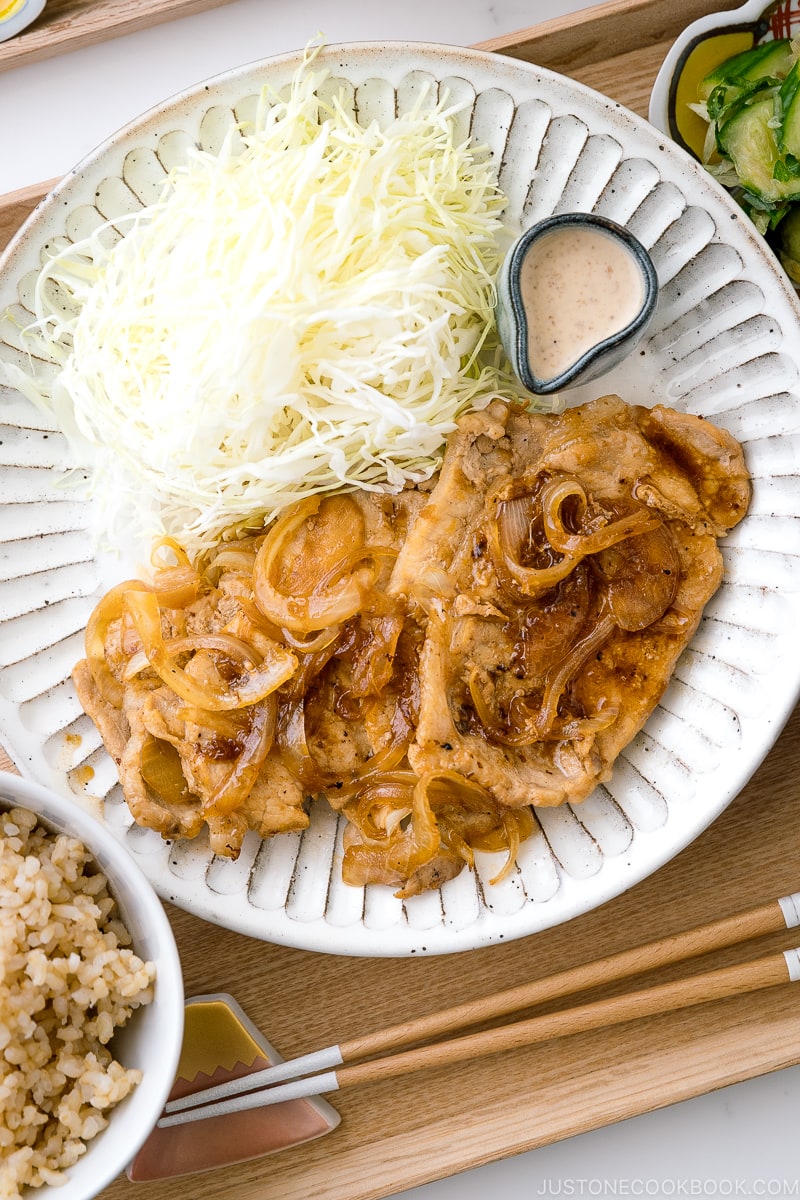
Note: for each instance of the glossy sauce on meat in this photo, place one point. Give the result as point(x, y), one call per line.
point(515, 624)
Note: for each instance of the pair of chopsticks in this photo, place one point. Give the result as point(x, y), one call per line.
point(339, 1066)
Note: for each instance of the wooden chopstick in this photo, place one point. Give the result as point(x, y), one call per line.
point(744, 926)
point(774, 969)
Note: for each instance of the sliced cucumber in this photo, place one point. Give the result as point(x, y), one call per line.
point(766, 59)
point(729, 97)
point(749, 140)
point(752, 103)
point(789, 102)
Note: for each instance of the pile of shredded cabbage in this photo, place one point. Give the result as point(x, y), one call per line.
point(308, 309)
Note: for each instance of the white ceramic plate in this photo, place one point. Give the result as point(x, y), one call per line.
point(725, 343)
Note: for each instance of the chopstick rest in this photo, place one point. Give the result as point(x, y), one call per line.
point(220, 1042)
point(780, 967)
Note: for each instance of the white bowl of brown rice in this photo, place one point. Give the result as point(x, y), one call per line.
point(91, 999)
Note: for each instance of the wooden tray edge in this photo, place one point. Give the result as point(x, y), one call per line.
point(57, 31)
point(625, 1093)
point(16, 207)
point(584, 37)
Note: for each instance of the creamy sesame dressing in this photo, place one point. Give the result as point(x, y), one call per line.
point(579, 287)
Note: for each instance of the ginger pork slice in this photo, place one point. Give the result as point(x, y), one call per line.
point(563, 563)
point(193, 754)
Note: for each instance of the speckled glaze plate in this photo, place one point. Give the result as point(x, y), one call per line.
point(724, 343)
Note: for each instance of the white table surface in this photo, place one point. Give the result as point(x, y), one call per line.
point(740, 1141)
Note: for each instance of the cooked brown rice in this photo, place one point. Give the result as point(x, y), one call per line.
point(68, 980)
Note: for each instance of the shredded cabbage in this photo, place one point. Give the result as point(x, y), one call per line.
point(309, 309)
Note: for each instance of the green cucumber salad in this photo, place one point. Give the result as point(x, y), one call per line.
point(752, 105)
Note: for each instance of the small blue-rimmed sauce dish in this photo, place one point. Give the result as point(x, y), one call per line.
point(575, 294)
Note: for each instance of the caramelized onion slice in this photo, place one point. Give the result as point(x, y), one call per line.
point(290, 739)
point(311, 645)
point(558, 680)
point(516, 825)
point(316, 585)
point(445, 787)
point(239, 781)
point(177, 593)
point(641, 577)
point(227, 725)
point(251, 684)
point(233, 559)
point(558, 491)
point(554, 496)
point(457, 801)
point(382, 804)
point(486, 715)
point(108, 610)
point(410, 846)
point(514, 732)
point(169, 544)
point(507, 531)
point(570, 728)
point(234, 648)
point(162, 771)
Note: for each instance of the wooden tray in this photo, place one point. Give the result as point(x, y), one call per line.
point(405, 1133)
point(68, 24)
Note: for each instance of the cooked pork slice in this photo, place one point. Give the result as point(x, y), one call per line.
point(173, 817)
point(362, 700)
point(276, 802)
point(515, 775)
point(477, 454)
point(580, 551)
point(111, 722)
